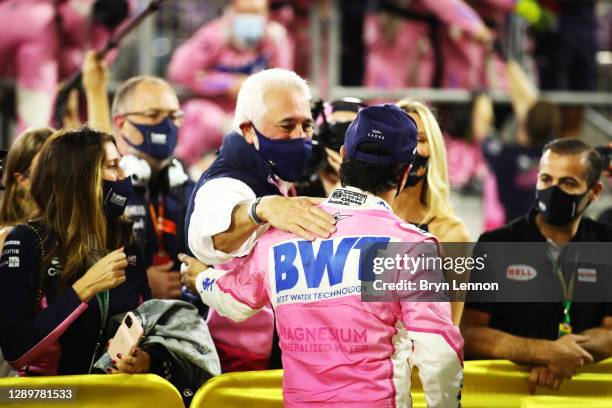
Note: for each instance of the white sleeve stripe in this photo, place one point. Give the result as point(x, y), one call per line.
point(440, 369)
point(224, 303)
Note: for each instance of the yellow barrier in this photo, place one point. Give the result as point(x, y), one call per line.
point(489, 383)
point(100, 391)
point(548, 401)
point(503, 384)
point(252, 389)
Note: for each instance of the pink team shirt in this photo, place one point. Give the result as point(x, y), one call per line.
point(337, 349)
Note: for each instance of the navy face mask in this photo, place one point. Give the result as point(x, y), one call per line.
point(558, 207)
point(115, 196)
point(288, 157)
point(418, 171)
point(159, 139)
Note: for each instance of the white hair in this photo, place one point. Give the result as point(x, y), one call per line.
point(250, 105)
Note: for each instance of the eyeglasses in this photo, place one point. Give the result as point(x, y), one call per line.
point(158, 114)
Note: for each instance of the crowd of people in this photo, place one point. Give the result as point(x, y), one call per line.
point(239, 226)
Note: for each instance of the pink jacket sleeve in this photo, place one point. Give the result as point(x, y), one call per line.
point(237, 294)
point(437, 342)
point(454, 12)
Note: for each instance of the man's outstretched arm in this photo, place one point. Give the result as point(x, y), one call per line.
point(237, 294)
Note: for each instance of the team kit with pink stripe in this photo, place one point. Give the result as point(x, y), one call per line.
point(337, 348)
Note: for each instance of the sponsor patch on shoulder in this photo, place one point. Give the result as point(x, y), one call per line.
point(346, 197)
point(521, 272)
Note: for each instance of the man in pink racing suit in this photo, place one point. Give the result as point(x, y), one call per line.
point(338, 349)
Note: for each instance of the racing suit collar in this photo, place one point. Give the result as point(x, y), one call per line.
point(355, 198)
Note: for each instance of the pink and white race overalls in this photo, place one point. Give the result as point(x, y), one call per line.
point(337, 349)
point(209, 65)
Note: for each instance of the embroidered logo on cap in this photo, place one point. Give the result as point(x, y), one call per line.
point(376, 134)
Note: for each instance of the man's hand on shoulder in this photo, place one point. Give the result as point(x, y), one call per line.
point(298, 215)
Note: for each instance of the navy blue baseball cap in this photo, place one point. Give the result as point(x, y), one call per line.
point(387, 125)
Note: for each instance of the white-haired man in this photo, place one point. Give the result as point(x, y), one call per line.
point(245, 191)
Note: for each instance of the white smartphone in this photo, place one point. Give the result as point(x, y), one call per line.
point(127, 337)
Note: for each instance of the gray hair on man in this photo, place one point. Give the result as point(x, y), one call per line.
point(250, 106)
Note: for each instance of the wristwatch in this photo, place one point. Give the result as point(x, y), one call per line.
point(253, 212)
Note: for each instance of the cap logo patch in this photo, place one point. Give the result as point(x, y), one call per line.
point(376, 134)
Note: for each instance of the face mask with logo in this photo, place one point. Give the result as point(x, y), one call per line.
point(288, 157)
point(558, 207)
point(418, 171)
point(249, 28)
point(159, 139)
point(115, 196)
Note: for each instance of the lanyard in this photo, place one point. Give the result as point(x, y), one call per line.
point(567, 287)
point(161, 225)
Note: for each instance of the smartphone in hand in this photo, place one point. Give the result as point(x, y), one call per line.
point(127, 337)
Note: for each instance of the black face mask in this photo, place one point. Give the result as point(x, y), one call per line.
point(116, 195)
point(558, 207)
point(418, 171)
point(334, 137)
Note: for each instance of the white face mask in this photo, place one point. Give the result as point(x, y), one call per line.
point(249, 28)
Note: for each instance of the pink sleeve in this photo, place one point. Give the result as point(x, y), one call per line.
point(247, 282)
point(437, 342)
point(455, 12)
point(191, 65)
point(37, 67)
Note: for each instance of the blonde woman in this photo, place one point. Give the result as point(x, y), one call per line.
point(425, 200)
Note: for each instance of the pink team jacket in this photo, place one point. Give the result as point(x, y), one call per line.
point(336, 348)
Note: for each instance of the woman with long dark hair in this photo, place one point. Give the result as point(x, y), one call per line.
point(74, 264)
